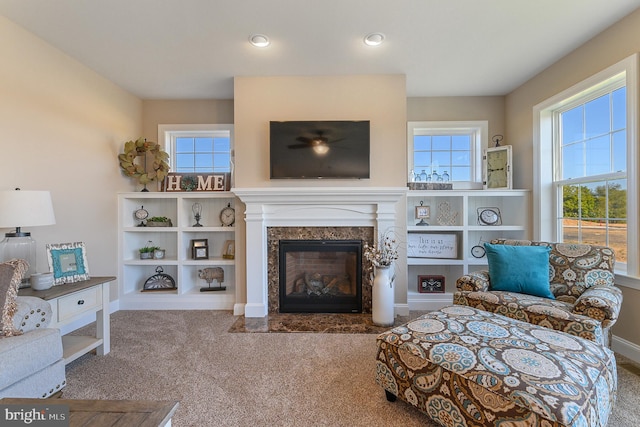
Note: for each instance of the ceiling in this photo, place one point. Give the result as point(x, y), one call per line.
point(192, 49)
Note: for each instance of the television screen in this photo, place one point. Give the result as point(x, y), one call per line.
point(319, 149)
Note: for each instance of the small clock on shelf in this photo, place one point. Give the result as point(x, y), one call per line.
point(489, 216)
point(228, 216)
point(478, 251)
point(141, 214)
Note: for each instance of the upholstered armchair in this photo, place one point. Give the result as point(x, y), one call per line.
point(581, 278)
point(31, 359)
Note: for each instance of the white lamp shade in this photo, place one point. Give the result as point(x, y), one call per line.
point(20, 208)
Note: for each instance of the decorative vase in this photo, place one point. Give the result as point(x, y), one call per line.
point(382, 298)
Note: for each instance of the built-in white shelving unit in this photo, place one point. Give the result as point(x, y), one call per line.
point(461, 220)
point(176, 241)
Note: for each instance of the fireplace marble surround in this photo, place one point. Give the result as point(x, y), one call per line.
point(376, 207)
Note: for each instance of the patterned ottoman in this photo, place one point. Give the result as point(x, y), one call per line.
point(466, 367)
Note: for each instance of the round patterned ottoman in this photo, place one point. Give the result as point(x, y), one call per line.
point(466, 367)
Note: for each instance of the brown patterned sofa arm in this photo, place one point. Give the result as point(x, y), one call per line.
point(600, 302)
point(477, 281)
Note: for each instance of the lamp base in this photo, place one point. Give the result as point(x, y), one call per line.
point(19, 245)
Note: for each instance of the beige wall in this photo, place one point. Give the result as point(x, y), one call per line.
point(614, 44)
point(380, 99)
point(174, 112)
point(490, 108)
point(62, 129)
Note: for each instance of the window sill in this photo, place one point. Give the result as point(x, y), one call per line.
point(627, 281)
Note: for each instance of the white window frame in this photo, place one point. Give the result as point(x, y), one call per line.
point(168, 133)
point(479, 129)
point(545, 203)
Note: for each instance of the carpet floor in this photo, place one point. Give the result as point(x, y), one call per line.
point(258, 379)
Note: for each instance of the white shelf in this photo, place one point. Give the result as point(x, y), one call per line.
point(514, 209)
point(176, 241)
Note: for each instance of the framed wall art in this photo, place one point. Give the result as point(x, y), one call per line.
point(68, 262)
point(430, 284)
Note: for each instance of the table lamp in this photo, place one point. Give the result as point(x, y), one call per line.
point(23, 209)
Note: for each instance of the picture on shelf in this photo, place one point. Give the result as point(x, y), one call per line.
point(200, 248)
point(229, 249)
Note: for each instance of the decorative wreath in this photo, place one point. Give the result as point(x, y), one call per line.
point(133, 149)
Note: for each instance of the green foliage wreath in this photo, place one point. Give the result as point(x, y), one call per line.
point(142, 147)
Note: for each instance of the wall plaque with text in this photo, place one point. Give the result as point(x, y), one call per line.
point(432, 245)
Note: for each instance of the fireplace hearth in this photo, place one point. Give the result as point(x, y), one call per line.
point(320, 276)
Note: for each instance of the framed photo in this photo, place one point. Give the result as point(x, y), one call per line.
point(423, 212)
point(200, 248)
point(68, 262)
point(229, 249)
point(430, 284)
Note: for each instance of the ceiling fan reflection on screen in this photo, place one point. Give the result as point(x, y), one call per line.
point(318, 142)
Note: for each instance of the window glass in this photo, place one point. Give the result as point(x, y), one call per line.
point(451, 147)
point(202, 153)
point(592, 184)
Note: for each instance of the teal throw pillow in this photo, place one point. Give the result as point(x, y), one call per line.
point(522, 269)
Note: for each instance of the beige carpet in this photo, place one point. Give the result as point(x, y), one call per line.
point(257, 379)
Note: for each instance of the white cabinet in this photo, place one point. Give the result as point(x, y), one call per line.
point(455, 213)
point(176, 241)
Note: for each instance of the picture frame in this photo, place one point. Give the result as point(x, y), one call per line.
point(431, 284)
point(229, 249)
point(423, 212)
point(200, 248)
point(67, 262)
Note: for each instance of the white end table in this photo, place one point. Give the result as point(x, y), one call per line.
point(70, 302)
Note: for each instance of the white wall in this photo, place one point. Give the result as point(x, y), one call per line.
point(607, 48)
point(62, 127)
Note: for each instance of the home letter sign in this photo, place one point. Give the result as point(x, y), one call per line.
point(176, 181)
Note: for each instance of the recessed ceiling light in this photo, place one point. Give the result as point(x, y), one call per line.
point(259, 40)
point(374, 39)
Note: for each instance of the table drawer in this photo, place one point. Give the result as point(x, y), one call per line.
point(79, 302)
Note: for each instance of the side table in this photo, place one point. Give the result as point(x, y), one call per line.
point(71, 301)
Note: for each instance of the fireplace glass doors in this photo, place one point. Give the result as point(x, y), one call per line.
point(320, 276)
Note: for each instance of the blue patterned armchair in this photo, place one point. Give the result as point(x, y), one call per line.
point(587, 302)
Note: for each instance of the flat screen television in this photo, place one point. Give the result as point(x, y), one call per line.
point(319, 149)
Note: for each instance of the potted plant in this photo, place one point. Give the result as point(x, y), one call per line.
point(159, 221)
point(147, 251)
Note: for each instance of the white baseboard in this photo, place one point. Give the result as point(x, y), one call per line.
point(401, 309)
point(238, 309)
point(626, 348)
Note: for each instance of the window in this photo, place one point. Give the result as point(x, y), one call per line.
point(591, 174)
point(586, 166)
point(198, 148)
point(452, 149)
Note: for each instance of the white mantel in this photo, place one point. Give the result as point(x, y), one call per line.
point(308, 207)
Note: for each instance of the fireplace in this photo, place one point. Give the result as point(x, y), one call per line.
point(320, 276)
point(309, 213)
